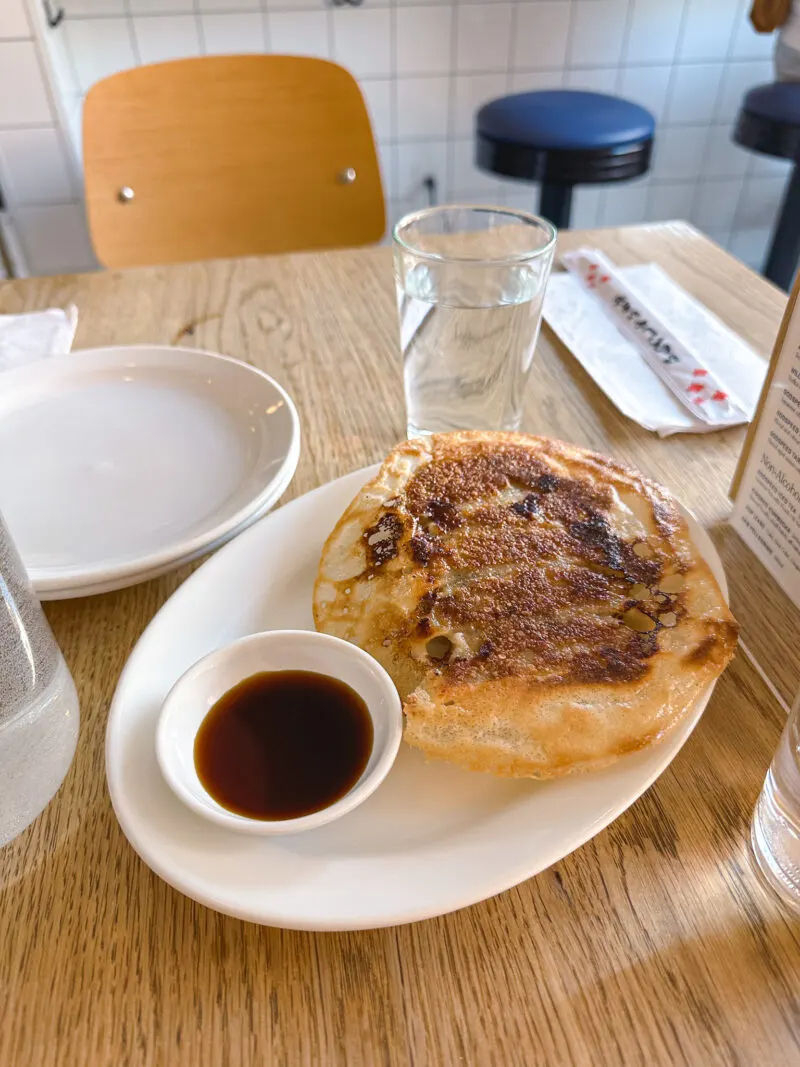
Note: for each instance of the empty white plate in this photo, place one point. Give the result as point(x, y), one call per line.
point(117, 464)
point(144, 575)
point(431, 838)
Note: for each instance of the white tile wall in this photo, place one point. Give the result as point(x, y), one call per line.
point(654, 30)
point(679, 153)
point(586, 204)
point(465, 180)
point(483, 36)
point(602, 80)
point(379, 95)
point(233, 32)
point(35, 166)
point(95, 8)
point(722, 158)
point(23, 97)
point(758, 203)
point(671, 201)
point(522, 196)
point(425, 67)
point(541, 35)
point(708, 28)
point(598, 31)
point(736, 80)
point(301, 33)
point(99, 47)
point(416, 161)
point(648, 86)
point(423, 108)
point(362, 40)
point(716, 203)
point(750, 246)
point(694, 93)
point(527, 80)
point(625, 203)
point(423, 39)
point(13, 20)
point(769, 167)
point(73, 108)
point(720, 236)
point(163, 37)
point(224, 5)
point(12, 246)
point(305, 5)
point(160, 7)
point(747, 44)
point(55, 238)
point(470, 93)
point(62, 67)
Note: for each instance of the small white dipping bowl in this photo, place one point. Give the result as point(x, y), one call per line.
point(196, 692)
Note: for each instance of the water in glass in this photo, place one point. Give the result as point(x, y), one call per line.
point(38, 702)
point(465, 364)
point(469, 324)
point(776, 822)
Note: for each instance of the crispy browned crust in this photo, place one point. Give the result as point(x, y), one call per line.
point(540, 565)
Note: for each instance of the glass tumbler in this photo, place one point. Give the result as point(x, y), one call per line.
point(776, 822)
point(38, 702)
point(470, 286)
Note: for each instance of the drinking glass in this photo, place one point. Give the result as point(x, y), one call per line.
point(776, 822)
point(38, 702)
point(776, 830)
point(470, 286)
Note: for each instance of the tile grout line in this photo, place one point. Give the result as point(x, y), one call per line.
point(448, 189)
point(56, 108)
point(201, 31)
point(740, 202)
point(602, 199)
point(728, 52)
point(671, 84)
point(267, 28)
point(72, 63)
point(330, 29)
point(567, 66)
point(134, 40)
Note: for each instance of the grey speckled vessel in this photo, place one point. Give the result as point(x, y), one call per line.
point(38, 702)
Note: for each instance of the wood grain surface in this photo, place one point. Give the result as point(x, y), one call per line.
point(652, 944)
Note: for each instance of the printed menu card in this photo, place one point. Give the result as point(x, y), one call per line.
point(766, 488)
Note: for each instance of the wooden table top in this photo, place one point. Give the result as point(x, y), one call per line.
point(652, 944)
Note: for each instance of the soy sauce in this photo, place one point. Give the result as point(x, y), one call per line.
point(282, 744)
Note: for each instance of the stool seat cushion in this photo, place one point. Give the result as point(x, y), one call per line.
point(776, 102)
point(564, 119)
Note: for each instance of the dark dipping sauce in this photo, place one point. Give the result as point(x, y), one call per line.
point(282, 744)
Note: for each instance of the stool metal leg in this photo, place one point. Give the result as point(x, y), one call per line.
point(555, 204)
point(785, 247)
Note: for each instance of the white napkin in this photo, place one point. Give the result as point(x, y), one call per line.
point(616, 365)
point(37, 335)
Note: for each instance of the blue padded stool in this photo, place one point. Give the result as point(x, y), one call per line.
point(563, 138)
point(769, 122)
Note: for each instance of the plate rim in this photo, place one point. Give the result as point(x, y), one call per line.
point(513, 874)
point(49, 580)
point(111, 585)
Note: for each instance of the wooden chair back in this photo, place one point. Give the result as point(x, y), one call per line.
point(228, 156)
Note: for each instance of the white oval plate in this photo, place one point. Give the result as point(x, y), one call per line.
point(117, 463)
point(432, 838)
